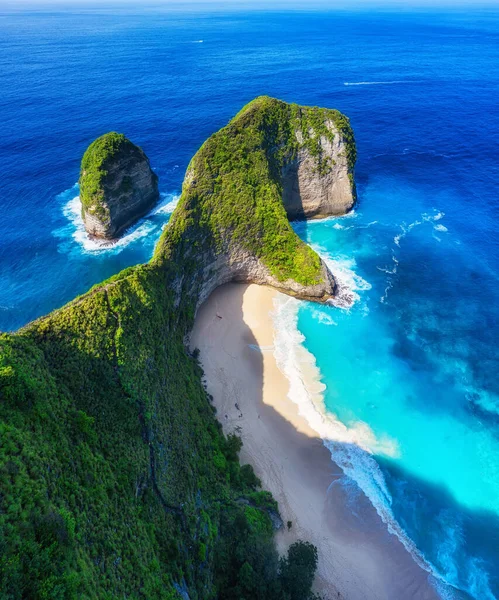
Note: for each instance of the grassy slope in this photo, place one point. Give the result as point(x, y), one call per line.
point(115, 478)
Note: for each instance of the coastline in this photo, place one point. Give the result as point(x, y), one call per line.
point(358, 558)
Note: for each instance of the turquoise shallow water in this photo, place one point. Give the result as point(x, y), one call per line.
point(410, 369)
point(410, 361)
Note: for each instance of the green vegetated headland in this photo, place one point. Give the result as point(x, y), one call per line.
point(116, 480)
point(232, 192)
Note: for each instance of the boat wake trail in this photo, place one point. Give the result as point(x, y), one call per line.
point(376, 82)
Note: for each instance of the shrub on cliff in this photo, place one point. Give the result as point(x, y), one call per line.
point(247, 564)
point(297, 570)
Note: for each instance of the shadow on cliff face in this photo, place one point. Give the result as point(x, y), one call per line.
point(234, 367)
point(292, 197)
point(291, 193)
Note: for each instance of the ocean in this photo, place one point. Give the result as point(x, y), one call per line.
point(406, 363)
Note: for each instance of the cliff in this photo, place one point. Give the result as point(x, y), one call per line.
point(117, 185)
point(243, 185)
point(318, 180)
point(115, 477)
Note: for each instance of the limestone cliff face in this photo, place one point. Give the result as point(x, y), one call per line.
point(273, 162)
point(117, 186)
point(235, 264)
point(321, 185)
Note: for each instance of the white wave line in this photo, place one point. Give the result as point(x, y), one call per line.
point(348, 282)
point(351, 447)
point(75, 231)
point(375, 82)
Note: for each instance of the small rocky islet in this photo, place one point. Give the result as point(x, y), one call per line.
point(117, 186)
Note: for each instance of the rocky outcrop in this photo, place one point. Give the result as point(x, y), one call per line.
point(117, 186)
point(273, 162)
point(238, 265)
point(321, 185)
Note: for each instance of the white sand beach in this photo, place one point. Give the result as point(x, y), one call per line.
point(358, 558)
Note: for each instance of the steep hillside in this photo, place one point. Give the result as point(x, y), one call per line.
point(116, 481)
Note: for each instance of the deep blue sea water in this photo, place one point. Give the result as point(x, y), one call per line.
point(411, 367)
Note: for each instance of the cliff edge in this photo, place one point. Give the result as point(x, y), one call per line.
point(117, 185)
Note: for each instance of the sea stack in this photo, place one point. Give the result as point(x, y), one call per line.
point(117, 185)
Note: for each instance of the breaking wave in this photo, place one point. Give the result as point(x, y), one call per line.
point(351, 447)
point(348, 282)
point(74, 238)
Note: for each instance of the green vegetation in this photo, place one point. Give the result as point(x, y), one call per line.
point(93, 170)
point(116, 480)
point(247, 566)
point(297, 570)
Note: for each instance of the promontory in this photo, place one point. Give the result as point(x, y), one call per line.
point(116, 480)
point(117, 185)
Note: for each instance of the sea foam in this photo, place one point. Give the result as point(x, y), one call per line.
point(424, 218)
point(74, 238)
point(306, 389)
point(348, 282)
point(352, 447)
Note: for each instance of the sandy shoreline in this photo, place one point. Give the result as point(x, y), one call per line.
point(358, 558)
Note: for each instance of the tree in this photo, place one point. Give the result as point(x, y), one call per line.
point(297, 570)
